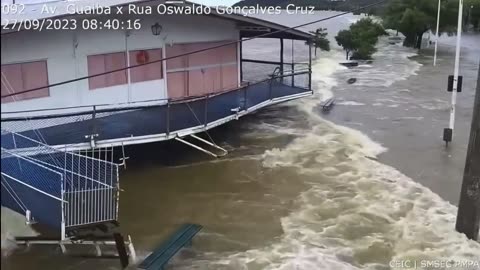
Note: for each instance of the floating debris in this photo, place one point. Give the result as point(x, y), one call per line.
point(351, 80)
point(327, 105)
point(350, 64)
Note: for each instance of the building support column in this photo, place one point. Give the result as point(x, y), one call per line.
point(241, 60)
point(293, 64)
point(468, 217)
point(309, 66)
point(281, 57)
point(127, 58)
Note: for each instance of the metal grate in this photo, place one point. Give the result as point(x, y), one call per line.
point(77, 188)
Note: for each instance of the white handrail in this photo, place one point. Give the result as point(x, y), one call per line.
point(34, 188)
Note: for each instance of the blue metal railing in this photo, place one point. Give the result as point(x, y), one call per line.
point(58, 188)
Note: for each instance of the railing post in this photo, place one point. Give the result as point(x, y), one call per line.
point(62, 225)
point(94, 116)
point(293, 74)
point(168, 118)
point(281, 57)
point(309, 66)
point(206, 111)
point(93, 133)
point(241, 60)
point(270, 89)
point(245, 97)
point(293, 66)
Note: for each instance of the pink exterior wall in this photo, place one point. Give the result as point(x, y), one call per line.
point(107, 62)
point(230, 77)
point(201, 73)
point(177, 85)
point(103, 63)
point(22, 77)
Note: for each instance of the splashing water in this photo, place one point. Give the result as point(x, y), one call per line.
point(357, 212)
point(13, 224)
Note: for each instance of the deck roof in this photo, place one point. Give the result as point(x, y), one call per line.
point(249, 26)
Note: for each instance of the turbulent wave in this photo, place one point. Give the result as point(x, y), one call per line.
point(323, 70)
point(383, 73)
point(357, 213)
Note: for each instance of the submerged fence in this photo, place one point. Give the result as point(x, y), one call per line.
point(57, 188)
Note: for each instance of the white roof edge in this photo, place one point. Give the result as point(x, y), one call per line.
point(33, 12)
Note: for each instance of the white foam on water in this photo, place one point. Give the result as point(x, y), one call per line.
point(419, 118)
point(381, 73)
point(357, 213)
point(323, 69)
point(362, 212)
point(435, 104)
point(350, 103)
point(13, 224)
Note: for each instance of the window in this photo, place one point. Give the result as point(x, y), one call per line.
point(24, 76)
point(148, 72)
point(107, 62)
point(197, 74)
point(104, 63)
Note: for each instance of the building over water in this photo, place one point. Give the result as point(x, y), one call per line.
point(148, 102)
point(106, 80)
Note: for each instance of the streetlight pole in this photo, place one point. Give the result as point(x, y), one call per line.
point(448, 132)
point(436, 34)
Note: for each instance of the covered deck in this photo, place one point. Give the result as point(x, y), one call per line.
point(111, 125)
point(134, 125)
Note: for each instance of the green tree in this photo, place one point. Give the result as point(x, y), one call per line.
point(319, 40)
point(415, 17)
point(472, 13)
point(344, 39)
point(360, 39)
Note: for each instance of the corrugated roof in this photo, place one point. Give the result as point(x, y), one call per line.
point(33, 12)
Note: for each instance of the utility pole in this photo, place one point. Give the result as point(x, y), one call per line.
point(468, 217)
point(448, 132)
point(436, 33)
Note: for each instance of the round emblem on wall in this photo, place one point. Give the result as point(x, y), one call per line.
point(142, 57)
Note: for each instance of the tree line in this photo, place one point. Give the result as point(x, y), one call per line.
point(413, 18)
point(345, 5)
point(358, 41)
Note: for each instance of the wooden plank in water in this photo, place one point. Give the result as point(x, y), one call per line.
point(328, 104)
point(349, 64)
point(168, 249)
